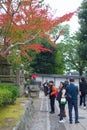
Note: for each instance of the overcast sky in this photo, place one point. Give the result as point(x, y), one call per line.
point(65, 6)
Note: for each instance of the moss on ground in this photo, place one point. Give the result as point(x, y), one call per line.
point(9, 115)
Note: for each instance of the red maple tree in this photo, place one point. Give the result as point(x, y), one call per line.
point(22, 21)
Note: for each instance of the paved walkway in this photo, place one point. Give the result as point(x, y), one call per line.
point(43, 120)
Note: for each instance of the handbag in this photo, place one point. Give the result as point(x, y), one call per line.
point(63, 101)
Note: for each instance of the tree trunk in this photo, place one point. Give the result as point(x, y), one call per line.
point(81, 72)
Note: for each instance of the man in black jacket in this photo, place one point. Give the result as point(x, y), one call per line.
point(83, 90)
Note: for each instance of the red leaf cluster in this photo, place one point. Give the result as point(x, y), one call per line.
point(38, 48)
point(22, 20)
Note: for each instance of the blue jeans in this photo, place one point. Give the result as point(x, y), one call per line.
point(71, 104)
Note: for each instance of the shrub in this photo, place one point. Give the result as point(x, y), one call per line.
point(8, 94)
point(5, 97)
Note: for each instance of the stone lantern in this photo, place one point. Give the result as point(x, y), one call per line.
point(5, 67)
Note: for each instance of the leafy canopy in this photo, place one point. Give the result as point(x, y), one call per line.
point(21, 22)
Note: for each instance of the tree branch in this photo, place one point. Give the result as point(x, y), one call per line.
point(19, 43)
point(57, 37)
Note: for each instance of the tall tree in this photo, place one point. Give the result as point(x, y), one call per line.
point(72, 60)
point(21, 22)
point(44, 61)
point(82, 34)
point(50, 62)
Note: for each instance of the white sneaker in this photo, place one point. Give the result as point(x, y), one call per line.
point(61, 121)
point(84, 108)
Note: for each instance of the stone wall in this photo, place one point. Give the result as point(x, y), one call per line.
point(25, 121)
point(57, 78)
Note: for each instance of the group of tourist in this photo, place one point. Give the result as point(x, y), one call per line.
point(66, 93)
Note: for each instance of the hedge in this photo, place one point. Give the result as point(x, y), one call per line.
point(8, 94)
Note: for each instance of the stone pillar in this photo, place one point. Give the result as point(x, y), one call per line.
point(20, 80)
point(18, 77)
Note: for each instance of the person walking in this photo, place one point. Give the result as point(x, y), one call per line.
point(52, 92)
point(72, 97)
point(83, 91)
point(61, 95)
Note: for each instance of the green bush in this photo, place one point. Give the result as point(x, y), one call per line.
point(5, 97)
point(8, 94)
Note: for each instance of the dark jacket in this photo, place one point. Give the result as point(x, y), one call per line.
point(46, 84)
point(60, 94)
point(83, 87)
point(73, 91)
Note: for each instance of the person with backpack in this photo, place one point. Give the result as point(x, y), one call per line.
point(72, 97)
point(52, 92)
point(62, 101)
